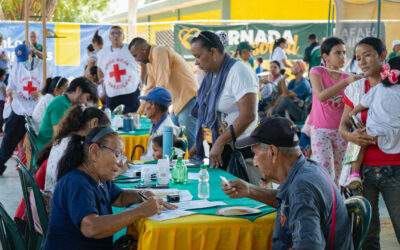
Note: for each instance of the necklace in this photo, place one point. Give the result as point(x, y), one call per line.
point(90, 172)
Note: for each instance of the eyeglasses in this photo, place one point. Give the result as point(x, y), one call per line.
point(120, 157)
point(116, 33)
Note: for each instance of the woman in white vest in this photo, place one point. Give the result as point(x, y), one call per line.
point(24, 86)
point(119, 72)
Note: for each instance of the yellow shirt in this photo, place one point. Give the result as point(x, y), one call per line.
point(169, 70)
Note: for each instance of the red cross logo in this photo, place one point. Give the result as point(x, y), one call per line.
point(117, 73)
point(30, 88)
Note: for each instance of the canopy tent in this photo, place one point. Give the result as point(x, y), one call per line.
point(356, 19)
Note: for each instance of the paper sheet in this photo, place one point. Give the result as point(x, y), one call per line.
point(196, 204)
point(170, 214)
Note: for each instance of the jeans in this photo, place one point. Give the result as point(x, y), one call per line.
point(287, 103)
point(184, 118)
point(14, 132)
point(384, 180)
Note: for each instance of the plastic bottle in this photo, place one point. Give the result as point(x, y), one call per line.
point(179, 171)
point(163, 171)
point(204, 186)
point(167, 140)
point(108, 113)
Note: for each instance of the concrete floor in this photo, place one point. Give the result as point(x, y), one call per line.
point(11, 195)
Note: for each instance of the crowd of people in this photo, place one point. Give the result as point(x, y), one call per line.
point(234, 97)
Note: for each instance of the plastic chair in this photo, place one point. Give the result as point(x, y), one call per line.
point(359, 210)
point(34, 150)
point(33, 240)
point(9, 235)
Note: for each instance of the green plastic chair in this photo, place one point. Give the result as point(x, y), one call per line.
point(9, 235)
point(34, 150)
point(33, 240)
point(359, 210)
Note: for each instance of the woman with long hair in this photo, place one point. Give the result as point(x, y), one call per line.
point(380, 172)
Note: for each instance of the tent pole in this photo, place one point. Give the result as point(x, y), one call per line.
point(333, 18)
point(379, 18)
point(329, 19)
point(44, 35)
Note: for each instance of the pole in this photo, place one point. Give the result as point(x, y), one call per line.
point(26, 10)
point(379, 18)
point(333, 18)
point(44, 35)
point(328, 27)
point(132, 19)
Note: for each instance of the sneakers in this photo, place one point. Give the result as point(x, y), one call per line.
point(353, 181)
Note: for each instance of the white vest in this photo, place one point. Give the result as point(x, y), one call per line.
point(121, 75)
point(23, 82)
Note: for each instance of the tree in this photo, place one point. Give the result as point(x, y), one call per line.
point(57, 10)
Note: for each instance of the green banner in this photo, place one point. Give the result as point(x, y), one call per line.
point(261, 36)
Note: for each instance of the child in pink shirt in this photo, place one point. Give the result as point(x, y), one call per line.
point(328, 85)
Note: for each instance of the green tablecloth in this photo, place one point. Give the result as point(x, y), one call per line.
point(216, 194)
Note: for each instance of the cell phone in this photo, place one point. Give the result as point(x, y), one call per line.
point(356, 122)
point(225, 180)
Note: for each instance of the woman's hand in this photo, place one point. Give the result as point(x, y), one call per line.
point(353, 78)
point(216, 155)
point(192, 152)
point(361, 138)
point(149, 207)
point(164, 205)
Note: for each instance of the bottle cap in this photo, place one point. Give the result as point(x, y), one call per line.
point(203, 166)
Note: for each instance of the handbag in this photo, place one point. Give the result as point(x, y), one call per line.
point(236, 165)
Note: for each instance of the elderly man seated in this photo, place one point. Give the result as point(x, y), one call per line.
point(310, 211)
point(156, 106)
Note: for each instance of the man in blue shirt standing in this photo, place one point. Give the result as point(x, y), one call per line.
point(310, 211)
point(292, 97)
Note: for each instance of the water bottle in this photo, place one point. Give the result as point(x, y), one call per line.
point(179, 171)
point(204, 186)
point(167, 140)
point(108, 113)
point(163, 171)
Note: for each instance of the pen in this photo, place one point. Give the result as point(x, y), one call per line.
point(144, 197)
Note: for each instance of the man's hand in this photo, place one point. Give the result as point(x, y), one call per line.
point(236, 189)
point(35, 95)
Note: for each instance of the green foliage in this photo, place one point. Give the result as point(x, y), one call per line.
point(81, 11)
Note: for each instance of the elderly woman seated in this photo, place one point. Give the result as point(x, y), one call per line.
point(156, 106)
point(81, 215)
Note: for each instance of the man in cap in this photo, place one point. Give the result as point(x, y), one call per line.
point(310, 211)
point(3, 59)
point(244, 50)
point(25, 84)
point(156, 106)
point(396, 49)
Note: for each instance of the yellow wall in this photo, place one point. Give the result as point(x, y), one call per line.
point(279, 10)
point(213, 14)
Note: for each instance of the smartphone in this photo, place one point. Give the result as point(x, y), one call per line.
point(357, 122)
point(224, 180)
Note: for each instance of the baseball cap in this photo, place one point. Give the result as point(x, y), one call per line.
point(395, 42)
point(22, 52)
point(158, 95)
point(272, 130)
point(244, 45)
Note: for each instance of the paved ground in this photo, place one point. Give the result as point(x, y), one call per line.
point(11, 194)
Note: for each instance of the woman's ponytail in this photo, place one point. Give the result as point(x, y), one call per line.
point(73, 155)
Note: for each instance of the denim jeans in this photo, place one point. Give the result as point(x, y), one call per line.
point(384, 180)
point(287, 103)
point(184, 118)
